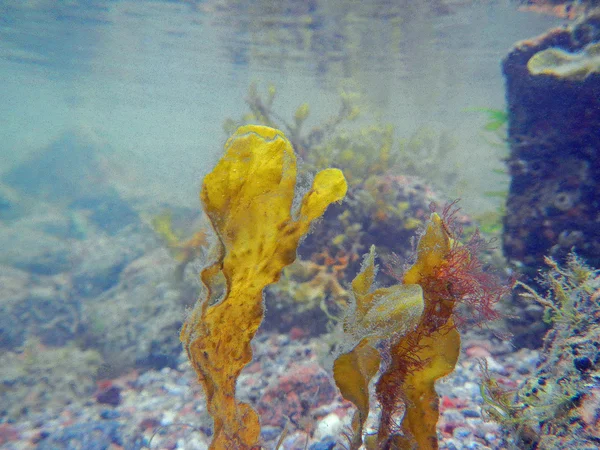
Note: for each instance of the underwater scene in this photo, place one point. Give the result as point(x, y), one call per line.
point(299, 225)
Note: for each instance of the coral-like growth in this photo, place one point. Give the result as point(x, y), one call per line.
point(263, 113)
point(248, 199)
point(184, 251)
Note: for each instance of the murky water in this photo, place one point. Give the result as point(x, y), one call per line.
point(157, 79)
point(111, 113)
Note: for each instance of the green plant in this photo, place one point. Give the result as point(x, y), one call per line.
point(549, 405)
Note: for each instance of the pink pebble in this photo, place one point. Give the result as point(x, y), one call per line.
point(477, 352)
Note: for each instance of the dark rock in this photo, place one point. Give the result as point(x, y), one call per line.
point(109, 414)
point(110, 396)
point(554, 163)
point(326, 444)
point(160, 355)
point(136, 322)
point(582, 364)
point(88, 436)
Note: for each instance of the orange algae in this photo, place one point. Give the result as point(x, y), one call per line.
point(248, 200)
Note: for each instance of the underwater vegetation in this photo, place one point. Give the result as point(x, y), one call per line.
point(384, 209)
point(262, 112)
point(183, 251)
point(43, 378)
point(417, 321)
point(558, 407)
point(361, 150)
point(248, 199)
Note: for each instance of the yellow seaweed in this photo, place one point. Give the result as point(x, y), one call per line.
point(425, 354)
point(248, 199)
point(384, 313)
point(415, 318)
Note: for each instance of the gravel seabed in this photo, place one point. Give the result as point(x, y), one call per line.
point(165, 409)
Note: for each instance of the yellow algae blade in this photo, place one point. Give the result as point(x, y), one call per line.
point(352, 373)
point(423, 355)
point(248, 198)
point(432, 250)
point(441, 350)
point(394, 311)
point(385, 313)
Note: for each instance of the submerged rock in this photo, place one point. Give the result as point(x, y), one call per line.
point(75, 173)
point(91, 436)
point(553, 95)
point(34, 251)
point(40, 380)
point(136, 322)
point(72, 166)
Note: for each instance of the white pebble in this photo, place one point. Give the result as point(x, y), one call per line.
point(330, 425)
point(168, 418)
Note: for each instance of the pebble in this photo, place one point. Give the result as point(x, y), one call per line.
point(452, 444)
point(472, 389)
point(490, 437)
point(470, 413)
point(174, 390)
point(453, 415)
point(167, 407)
point(326, 444)
point(109, 414)
point(268, 433)
point(330, 425)
point(110, 396)
point(168, 418)
point(461, 432)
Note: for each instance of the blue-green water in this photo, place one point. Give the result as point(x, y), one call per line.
point(111, 113)
point(156, 79)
